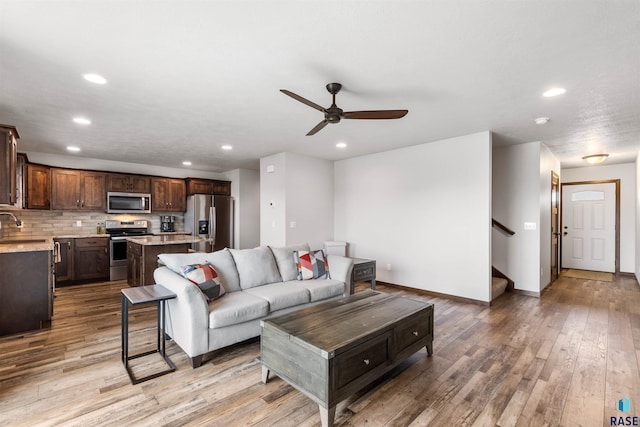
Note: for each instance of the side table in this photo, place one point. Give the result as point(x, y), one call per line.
point(364, 270)
point(143, 295)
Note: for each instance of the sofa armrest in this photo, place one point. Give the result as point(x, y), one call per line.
point(187, 315)
point(340, 268)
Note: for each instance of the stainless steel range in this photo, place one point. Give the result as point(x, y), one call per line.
point(118, 232)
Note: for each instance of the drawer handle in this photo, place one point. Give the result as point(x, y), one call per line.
point(366, 361)
point(415, 333)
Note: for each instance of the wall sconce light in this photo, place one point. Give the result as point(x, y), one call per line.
point(594, 159)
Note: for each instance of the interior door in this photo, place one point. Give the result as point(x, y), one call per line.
point(555, 225)
point(588, 226)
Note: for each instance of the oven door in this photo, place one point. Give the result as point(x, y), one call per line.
point(118, 253)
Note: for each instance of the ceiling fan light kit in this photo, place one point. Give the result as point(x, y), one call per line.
point(334, 114)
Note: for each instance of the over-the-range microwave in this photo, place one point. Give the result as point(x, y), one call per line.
point(128, 202)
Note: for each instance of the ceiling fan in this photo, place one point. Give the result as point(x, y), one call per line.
point(334, 114)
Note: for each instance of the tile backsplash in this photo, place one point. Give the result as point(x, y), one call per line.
point(39, 223)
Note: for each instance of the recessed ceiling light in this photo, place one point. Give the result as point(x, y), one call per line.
point(226, 147)
point(542, 120)
point(74, 149)
point(82, 121)
point(341, 145)
point(554, 92)
point(95, 78)
point(186, 163)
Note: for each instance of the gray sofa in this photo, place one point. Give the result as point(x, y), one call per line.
point(258, 282)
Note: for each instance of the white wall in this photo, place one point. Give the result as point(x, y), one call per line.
point(296, 200)
point(626, 173)
point(425, 210)
point(517, 184)
point(548, 163)
point(637, 269)
point(245, 190)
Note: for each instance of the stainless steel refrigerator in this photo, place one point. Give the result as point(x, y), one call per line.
point(210, 217)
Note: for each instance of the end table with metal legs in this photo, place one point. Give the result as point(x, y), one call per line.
point(143, 295)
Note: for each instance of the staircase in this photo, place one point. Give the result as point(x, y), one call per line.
point(498, 286)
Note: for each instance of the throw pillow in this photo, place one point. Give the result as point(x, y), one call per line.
point(205, 277)
point(311, 265)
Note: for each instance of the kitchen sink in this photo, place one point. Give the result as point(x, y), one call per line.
point(22, 242)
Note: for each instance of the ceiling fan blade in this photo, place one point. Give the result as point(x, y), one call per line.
point(375, 115)
point(303, 100)
point(318, 127)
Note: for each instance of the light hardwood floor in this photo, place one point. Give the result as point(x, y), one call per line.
point(564, 359)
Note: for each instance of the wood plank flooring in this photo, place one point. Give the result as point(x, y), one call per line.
point(561, 360)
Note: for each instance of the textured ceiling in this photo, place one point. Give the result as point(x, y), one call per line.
point(186, 77)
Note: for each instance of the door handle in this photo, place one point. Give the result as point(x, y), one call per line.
point(565, 233)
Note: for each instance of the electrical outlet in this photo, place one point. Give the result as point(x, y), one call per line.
point(388, 267)
point(78, 223)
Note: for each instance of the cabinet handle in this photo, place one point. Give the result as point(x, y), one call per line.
point(78, 203)
point(366, 361)
point(105, 250)
point(415, 333)
point(82, 204)
point(69, 244)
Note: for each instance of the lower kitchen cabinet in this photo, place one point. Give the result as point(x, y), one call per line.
point(82, 259)
point(26, 296)
point(142, 260)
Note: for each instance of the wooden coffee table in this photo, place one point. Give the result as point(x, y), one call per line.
point(331, 350)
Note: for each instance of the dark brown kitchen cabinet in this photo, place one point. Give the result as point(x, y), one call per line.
point(168, 195)
point(91, 258)
point(78, 190)
point(26, 291)
point(64, 267)
point(208, 186)
point(142, 260)
point(38, 185)
point(8, 162)
point(82, 259)
point(128, 183)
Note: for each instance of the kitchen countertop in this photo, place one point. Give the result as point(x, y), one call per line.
point(165, 240)
point(171, 233)
point(80, 236)
point(26, 245)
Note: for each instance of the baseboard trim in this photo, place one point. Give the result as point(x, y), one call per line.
point(435, 294)
point(631, 275)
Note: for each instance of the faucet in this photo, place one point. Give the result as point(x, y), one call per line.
point(18, 222)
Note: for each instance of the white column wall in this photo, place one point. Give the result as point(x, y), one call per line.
point(423, 211)
point(272, 200)
point(626, 173)
point(245, 190)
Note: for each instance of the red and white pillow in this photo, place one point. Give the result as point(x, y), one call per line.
point(311, 264)
point(205, 277)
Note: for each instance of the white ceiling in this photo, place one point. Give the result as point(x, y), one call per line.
point(186, 77)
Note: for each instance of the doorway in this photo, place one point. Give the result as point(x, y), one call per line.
point(590, 225)
point(555, 225)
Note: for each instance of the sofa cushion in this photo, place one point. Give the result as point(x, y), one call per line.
point(256, 267)
point(285, 260)
point(311, 265)
point(280, 296)
point(175, 261)
point(224, 264)
point(221, 260)
point(236, 307)
point(320, 289)
point(205, 277)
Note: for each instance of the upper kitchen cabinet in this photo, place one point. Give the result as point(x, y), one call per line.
point(78, 190)
point(8, 159)
point(168, 195)
point(128, 183)
point(208, 186)
point(38, 187)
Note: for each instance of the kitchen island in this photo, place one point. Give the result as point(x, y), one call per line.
point(26, 285)
point(143, 251)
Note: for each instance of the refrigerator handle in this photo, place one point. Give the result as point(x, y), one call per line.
point(212, 225)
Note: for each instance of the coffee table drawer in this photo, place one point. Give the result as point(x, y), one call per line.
point(413, 330)
point(364, 358)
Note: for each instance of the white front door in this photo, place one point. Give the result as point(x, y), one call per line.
point(589, 226)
